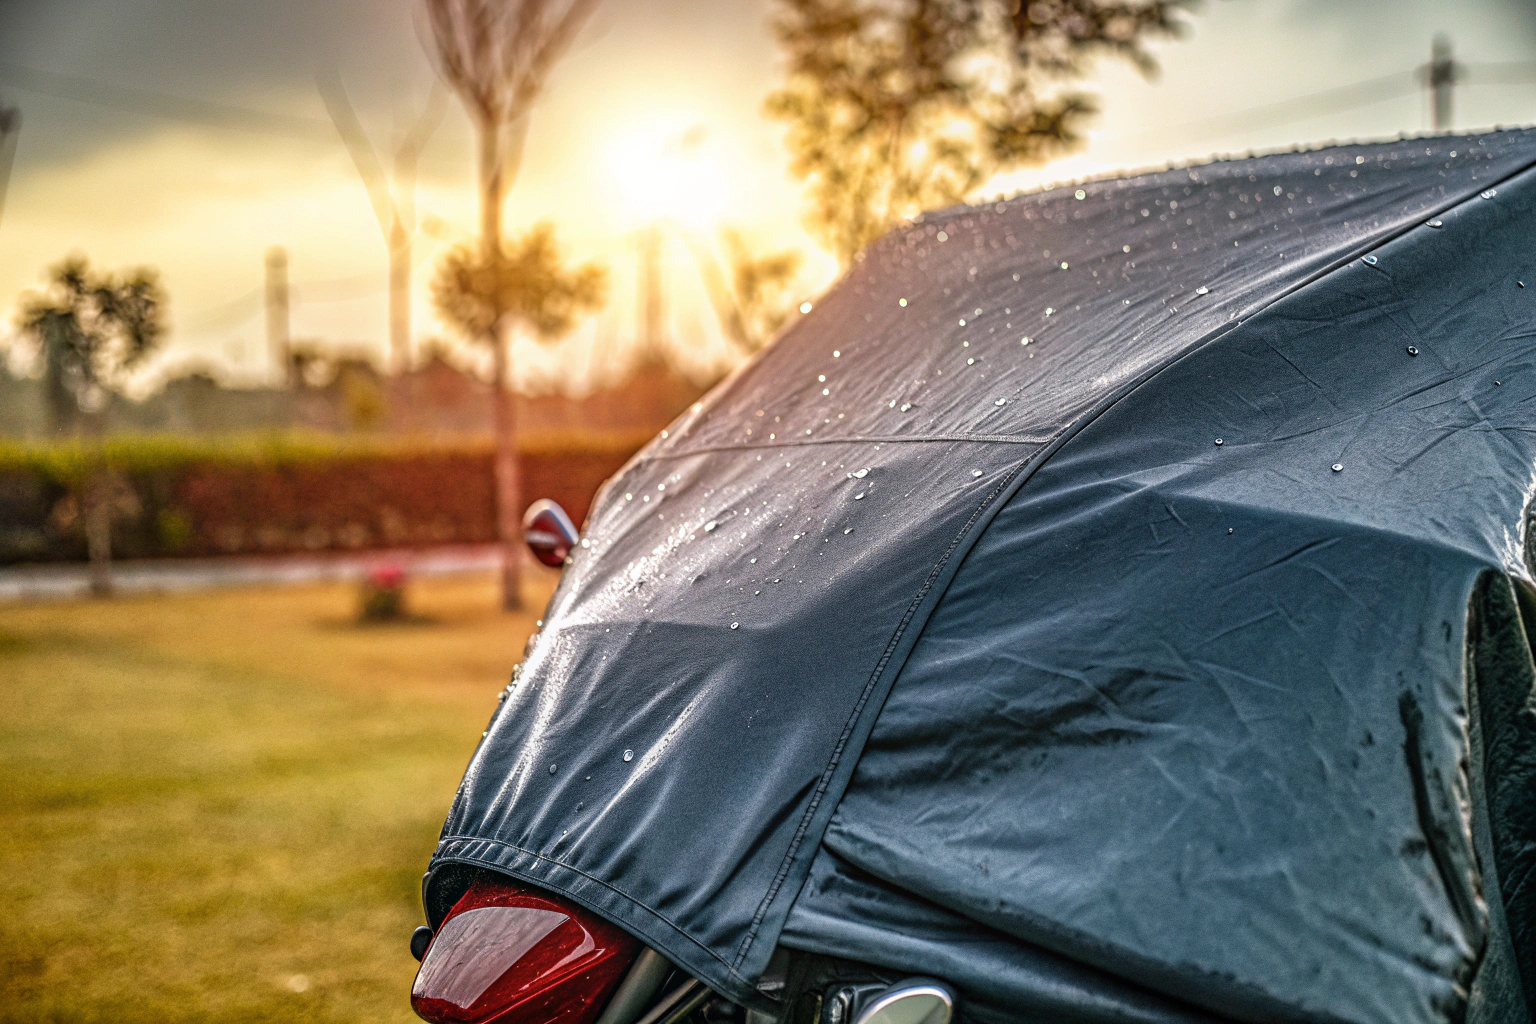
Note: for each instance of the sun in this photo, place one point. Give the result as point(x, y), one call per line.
point(670, 170)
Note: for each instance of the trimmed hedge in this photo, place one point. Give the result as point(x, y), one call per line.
point(274, 494)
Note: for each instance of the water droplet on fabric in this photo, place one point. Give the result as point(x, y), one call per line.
point(735, 625)
point(709, 527)
point(1001, 401)
point(847, 531)
point(1369, 260)
point(1049, 311)
point(975, 472)
point(1278, 190)
point(1338, 467)
point(859, 496)
point(1202, 290)
point(1229, 531)
point(1413, 350)
point(970, 362)
point(821, 378)
point(1079, 194)
point(962, 322)
point(859, 474)
point(1125, 248)
point(629, 755)
point(905, 406)
point(1219, 442)
point(805, 307)
point(752, 560)
point(1015, 277)
point(553, 768)
point(1064, 264)
point(901, 302)
point(1435, 223)
point(1359, 159)
point(1490, 193)
point(836, 354)
point(943, 236)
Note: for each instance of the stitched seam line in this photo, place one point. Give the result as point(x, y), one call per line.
point(858, 710)
point(851, 439)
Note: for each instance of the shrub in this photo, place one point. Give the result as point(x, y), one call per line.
point(287, 492)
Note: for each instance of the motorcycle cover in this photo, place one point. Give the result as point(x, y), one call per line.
point(1113, 600)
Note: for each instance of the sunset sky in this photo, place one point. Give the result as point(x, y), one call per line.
point(113, 164)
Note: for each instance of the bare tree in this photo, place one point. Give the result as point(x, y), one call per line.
point(393, 196)
point(497, 56)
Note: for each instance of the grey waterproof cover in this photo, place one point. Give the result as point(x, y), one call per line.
point(1112, 600)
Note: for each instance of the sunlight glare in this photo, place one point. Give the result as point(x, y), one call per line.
point(670, 170)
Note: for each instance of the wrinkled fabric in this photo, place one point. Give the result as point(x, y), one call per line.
point(1014, 392)
point(1196, 713)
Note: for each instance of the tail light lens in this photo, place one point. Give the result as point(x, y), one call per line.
point(514, 955)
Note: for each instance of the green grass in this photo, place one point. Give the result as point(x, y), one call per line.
point(208, 796)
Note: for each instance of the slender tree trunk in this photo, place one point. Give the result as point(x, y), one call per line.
point(96, 514)
point(399, 298)
point(98, 533)
point(508, 483)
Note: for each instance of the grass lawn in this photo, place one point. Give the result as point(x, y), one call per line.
point(218, 807)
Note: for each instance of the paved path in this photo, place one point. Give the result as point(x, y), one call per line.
point(56, 582)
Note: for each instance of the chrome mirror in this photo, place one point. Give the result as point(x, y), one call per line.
point(549, 532)
point(914, 1001)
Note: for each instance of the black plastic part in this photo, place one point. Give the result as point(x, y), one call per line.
point(421, 938)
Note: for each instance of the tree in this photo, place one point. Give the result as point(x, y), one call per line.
point(898, 106)
point(523, 289)
point(497, 56)
point(752, 294)
point(91, 329)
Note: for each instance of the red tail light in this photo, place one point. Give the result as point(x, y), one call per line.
point(513, 955)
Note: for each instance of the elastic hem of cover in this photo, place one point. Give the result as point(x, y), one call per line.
point(622, 909)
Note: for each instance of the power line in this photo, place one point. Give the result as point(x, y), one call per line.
point(1340, 99)
point(1299, 108)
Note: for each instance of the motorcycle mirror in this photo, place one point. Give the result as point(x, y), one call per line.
point(914, 1001)
point(549, 532)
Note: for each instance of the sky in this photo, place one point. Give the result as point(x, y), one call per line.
point(189, 135)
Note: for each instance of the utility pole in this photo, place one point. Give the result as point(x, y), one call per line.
point(10, 128)
point(1441, 79)
point(651, 299)
point(277, 311)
